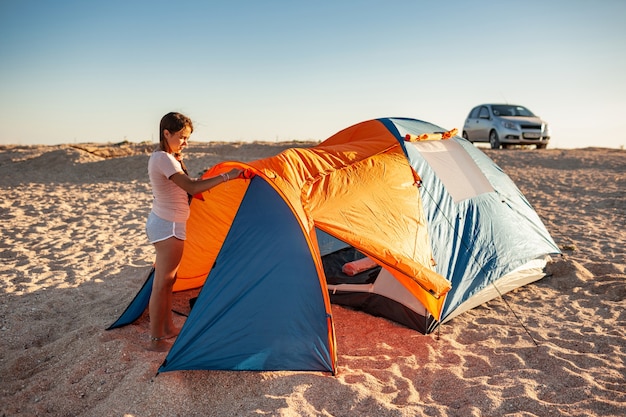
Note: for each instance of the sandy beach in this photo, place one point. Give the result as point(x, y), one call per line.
point(73, 254)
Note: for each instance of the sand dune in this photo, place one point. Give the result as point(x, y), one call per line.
point(73, 254)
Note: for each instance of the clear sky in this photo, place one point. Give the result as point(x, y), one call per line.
point(277, 70)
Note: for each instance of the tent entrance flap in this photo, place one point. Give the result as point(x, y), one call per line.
point(374, 291)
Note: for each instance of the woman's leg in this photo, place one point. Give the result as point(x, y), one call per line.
point(168, 255)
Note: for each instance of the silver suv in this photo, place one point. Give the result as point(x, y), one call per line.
point(504, 125)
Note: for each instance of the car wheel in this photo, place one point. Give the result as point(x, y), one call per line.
point(542, 145)
point(465, 136)
point(494, 140)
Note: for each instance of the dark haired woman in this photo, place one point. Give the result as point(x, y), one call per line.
point(165, 227)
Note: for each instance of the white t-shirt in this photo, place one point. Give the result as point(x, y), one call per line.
point(170, 201)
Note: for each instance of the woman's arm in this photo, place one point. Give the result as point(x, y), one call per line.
point(194, 187)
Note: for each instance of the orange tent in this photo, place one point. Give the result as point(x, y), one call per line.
point(270, 252)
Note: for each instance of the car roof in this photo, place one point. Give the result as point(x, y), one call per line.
point(500, 104)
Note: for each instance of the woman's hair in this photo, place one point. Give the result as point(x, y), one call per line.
point(173, 122)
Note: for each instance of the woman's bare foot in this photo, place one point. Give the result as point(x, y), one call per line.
point(162, 344)
point(171, 332)
point(159, 345)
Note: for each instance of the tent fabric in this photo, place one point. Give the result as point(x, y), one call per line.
point(246, 321)
point(447, 229)
point(207, 228)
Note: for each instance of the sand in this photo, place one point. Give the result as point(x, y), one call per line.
point(73, 254)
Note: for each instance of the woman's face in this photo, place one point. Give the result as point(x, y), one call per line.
point(177, 140)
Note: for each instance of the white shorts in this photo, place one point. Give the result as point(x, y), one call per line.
point(159, 229)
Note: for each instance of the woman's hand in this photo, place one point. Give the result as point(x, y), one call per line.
point(232, 174)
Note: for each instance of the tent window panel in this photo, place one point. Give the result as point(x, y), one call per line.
point(458, 172)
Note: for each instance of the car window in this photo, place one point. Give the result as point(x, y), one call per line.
point(507, 110)
point(503, 110)
point(484, 113)
point(523, 111)
point(474, 113)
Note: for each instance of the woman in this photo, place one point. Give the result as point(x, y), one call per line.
point(165, 227)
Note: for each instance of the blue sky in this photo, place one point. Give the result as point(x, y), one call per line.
point(106, 71)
